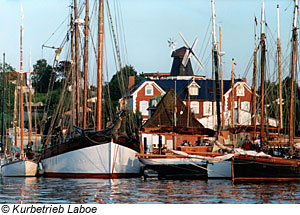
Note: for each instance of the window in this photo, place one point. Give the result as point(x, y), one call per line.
point(149, 90)
point(207, 108)
point(195, 107)
point(193, 91)
point(143, 108)
point(245, 106)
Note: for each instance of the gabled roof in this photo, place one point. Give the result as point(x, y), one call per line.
point(206, 90)
point(164, 115)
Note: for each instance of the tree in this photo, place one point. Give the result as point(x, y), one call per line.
point(41, 77)
point(120, 80)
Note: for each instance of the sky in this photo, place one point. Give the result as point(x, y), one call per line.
point(146, 26)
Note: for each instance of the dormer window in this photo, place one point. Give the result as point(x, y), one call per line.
point(193, 91)
point(149, 90)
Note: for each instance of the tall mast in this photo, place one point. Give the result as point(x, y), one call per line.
point(279, 72)
point(3, 104)
point(76, 64)
point(216, 68)
point(232, 94)
point(21, 84)
point(254, 83)
point(72, 72)
point(262, 71)
point(15, 116)
point(221, 70)
point(29, 112)
point(294, 39)
point(86, 44)
point(100, 64)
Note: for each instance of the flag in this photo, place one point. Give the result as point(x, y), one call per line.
point(255, 20)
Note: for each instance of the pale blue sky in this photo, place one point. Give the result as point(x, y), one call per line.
point(148, 24)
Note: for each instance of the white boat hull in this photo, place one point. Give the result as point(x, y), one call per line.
point(107, 160)
point(20, 168)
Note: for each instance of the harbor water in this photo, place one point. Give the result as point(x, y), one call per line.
point(137, 190)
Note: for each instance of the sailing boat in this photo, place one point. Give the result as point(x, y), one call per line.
point(266, 167)
point(92, 153)
point(22, 166)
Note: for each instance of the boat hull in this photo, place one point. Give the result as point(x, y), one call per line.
point(21, 168)
point(108, 160)
point(220, 170)
point(173, 168)
point(265, 169)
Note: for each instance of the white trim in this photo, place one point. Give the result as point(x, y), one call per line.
point(149, 86)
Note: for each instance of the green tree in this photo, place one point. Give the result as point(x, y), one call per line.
point(120, 80)
point(42, 76)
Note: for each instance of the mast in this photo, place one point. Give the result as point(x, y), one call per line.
point(3, 105)
point(86, 44)
point(29, 112)
point(262, 71)
point(232, 94)
point(21, 86)
point(295, 43)
point(279, 72)
point(254, 106)
point(100, 64)
point(35, 127)
point(72, 74)
point(222, 87)
point(216, 68)
point(15, 116)
point(76, 64)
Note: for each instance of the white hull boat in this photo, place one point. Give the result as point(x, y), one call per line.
point(19, 168)
point(105, 160)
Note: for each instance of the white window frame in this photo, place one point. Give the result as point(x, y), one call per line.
point(143, 110)
point(195, 107)
point(207, 108)
point(193, 91)
point(148, 87)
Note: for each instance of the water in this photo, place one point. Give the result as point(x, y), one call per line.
point(136, 190)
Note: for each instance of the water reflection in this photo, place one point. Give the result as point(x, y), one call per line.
point(80, 191)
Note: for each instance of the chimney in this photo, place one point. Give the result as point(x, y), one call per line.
point(131, 82)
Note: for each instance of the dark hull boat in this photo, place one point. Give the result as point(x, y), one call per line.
point(249, 168)
point(175, 168)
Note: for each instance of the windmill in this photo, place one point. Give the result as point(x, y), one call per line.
point(182, 64)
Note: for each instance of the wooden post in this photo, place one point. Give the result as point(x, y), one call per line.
point(222, 84)
point(100, 64)
point(86, 44)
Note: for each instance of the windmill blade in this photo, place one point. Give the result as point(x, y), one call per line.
point(194, 43)
point(187, 45)
point(186, 57)
point(198, 61)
